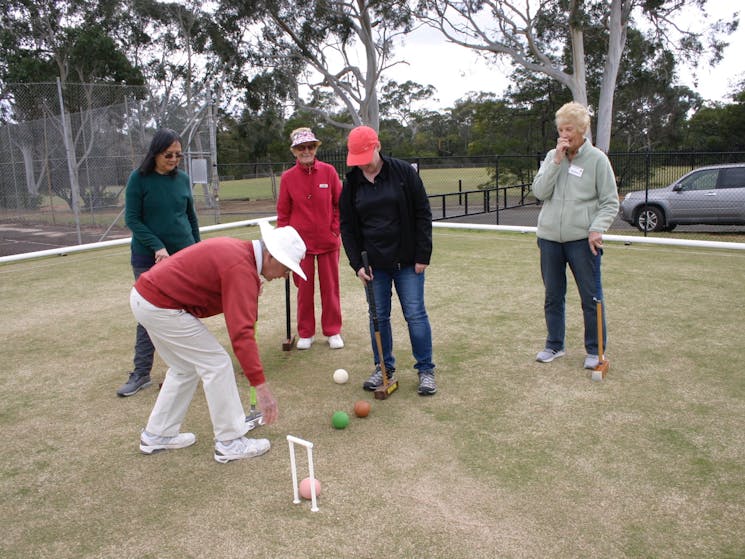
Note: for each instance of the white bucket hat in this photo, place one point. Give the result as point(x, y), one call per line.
point(284, 244)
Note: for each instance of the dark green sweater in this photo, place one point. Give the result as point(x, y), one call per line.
point(160, 213)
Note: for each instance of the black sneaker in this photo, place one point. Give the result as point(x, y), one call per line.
point(136, 382)
point(427, 385)
point(376, 379)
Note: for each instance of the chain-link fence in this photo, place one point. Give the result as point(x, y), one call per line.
point(66, 151)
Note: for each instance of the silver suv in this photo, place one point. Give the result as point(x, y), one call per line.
point(712, 195)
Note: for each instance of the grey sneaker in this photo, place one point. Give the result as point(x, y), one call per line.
point(427, 385)
point(136, 382)
point(548, 355)
point(240, 448)
point(254, 419)
point(376, 379)
point(153, 443)
point(591, 361)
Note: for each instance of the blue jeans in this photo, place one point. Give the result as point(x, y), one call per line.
point(144, 350)
point(410, 290)
point(584, 265)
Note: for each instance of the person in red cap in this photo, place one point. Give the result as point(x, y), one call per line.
point(219, 275)
point(309, 202)
point(385, 211)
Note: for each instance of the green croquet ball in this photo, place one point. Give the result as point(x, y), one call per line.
point(339, 420)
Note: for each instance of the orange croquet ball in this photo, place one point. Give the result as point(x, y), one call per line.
point(362, 408)
point(304, 489)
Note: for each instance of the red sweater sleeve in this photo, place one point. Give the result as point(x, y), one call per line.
point(240, 293)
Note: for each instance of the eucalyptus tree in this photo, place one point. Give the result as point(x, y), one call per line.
point(48, 40)
point(341, 47)
point(719, 126)
point(534, 34)
point(399, 101)
point(649, 110)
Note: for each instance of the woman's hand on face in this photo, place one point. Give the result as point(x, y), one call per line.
point(562, 145)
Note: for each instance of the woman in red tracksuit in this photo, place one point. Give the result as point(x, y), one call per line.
point(309, 201)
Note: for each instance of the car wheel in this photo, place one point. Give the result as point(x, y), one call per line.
point(650, 219)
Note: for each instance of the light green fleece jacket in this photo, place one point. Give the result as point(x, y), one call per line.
point(578, 196)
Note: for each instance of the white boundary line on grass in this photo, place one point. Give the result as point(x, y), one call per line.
point(246, 223)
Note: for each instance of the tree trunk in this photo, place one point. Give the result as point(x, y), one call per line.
point(578, 85)
point(28, 164)
point(616, 43)
point(577, 39)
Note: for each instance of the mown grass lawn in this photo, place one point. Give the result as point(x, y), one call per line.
point(511, 458)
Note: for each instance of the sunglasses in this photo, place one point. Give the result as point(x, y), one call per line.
point(305, 147)
point(170, 155)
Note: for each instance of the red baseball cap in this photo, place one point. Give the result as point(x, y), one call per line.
point(361, 144)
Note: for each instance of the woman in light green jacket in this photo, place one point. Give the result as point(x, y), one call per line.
point(577, 186)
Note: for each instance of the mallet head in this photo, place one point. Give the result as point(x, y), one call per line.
point(600, 370)
point(384, 390)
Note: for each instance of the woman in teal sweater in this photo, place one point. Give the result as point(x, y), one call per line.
point(160, 212)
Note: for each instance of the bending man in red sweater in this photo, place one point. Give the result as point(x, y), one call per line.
point(220, 275)
point(309, 202)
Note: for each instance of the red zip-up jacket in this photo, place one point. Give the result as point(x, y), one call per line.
point(217, 275)
point(309, 201)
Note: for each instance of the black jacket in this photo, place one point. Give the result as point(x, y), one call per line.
point(415, 218)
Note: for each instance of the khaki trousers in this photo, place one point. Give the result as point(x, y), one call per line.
point(192, 353)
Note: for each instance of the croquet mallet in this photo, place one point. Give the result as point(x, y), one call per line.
point(290, 339)
point(387, 388)
point(601, 369)
point(255, 417)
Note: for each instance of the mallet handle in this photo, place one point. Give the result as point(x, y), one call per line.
point(599, 304)
point(287, 308)
point(374, 316)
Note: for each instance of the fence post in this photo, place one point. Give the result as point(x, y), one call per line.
point(496, 175)
point(71, 168)
point(496, 213)
point(647, 173)
point(214, 178)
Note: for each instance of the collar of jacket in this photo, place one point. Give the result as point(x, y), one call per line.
point(307, 169)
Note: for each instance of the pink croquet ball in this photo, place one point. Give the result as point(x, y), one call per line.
point(305, 488)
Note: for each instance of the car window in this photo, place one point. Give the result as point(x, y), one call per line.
point(703, 180)
point(732, 178)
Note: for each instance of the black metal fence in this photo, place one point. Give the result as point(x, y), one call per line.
point(476, 189)
point(496, 189)
point(634, 170)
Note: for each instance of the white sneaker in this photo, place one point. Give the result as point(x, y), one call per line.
point(547, 355)
point(240, 448)
point(153, 443)
point(304, 343)
point(591, 361)
point(335, 341)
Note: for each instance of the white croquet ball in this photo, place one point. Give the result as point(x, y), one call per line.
point(341, 376)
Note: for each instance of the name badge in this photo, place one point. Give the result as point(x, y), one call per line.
point(323, 185)
point(576, 171)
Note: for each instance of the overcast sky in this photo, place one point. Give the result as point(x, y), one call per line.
point(455, 70)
